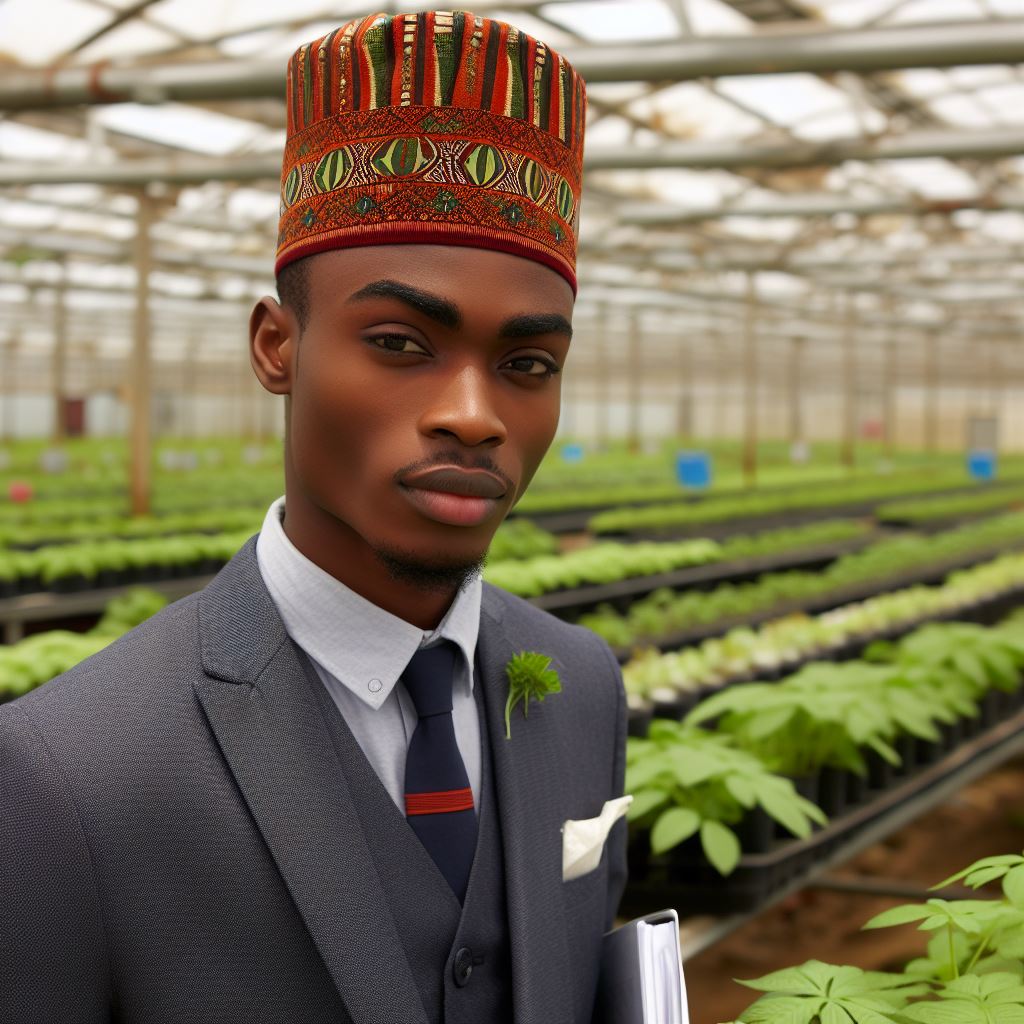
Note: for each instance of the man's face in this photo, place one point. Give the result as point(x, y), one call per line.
point(418, 359)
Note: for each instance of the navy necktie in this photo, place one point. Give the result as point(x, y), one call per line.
point(438, 797)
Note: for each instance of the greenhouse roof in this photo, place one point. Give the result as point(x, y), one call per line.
point(857, 155)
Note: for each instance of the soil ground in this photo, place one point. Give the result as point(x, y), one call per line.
point(984, 819)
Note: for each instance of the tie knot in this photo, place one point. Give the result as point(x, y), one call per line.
point(428, 679)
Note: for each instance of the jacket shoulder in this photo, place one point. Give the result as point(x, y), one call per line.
point(149, 657)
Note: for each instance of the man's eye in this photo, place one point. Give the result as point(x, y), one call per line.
point(533, 366)
point(400, 343)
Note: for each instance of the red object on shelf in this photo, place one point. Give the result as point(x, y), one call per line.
point(19, 491)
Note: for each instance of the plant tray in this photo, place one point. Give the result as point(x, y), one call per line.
point(683, 879)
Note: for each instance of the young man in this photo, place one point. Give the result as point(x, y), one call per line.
point(294, 797)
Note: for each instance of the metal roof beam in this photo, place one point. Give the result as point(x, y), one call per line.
point(722, 154)
point(812, 205)
point(859, 49)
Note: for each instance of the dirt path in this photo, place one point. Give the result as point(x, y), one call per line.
point(984, 819)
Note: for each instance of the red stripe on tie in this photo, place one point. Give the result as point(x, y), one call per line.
point(446, 802)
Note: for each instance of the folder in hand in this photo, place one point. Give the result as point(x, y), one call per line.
point(641, 979)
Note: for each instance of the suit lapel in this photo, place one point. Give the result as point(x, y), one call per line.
point(527, 773)
point(273, 736)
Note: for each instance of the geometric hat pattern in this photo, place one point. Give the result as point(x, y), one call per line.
point(435, 127)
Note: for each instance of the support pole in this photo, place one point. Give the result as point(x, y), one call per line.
point(685, 409)
point(635, 372)
point(140, 381)
point(723, 370)
point(8, 386)
point(890, 383)
point(849, 446)
point(60, 355)
point(796, 417)
point(750, 384)
point(931, 391)
point(602, 378)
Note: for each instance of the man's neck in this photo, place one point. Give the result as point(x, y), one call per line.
point(336, 549)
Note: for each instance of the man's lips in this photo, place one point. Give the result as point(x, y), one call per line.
point(469, 483)
point(456, 497)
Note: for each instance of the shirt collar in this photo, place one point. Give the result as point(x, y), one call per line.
point(363, 646)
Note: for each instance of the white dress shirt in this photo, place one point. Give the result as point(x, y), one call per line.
point(359, 651)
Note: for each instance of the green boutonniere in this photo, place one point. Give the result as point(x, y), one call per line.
point(529, 678)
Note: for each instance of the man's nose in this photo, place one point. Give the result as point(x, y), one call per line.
point(463, 407)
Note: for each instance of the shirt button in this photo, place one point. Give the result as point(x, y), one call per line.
point(462, 968)
point(375, 686)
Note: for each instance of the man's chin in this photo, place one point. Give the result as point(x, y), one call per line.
point(429, 575)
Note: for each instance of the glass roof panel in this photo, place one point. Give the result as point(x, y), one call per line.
point(936, 10)
point(134, 37)
point(181, 126)
point(712, 17)
point(788, 99)
point(611, 21)
point(67, 22)
point(932, 178)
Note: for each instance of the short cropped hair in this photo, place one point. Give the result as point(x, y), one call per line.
point(293, 290)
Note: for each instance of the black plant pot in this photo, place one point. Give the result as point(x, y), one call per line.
point(756, 831)
point(72, 584)
point(880, 772)
point(856, 789)
point(807, 786)
point(972, 725)
point(832, 791)
point(640, 721)
point(952, 734)
point(638, 853)
point(30, 585)
point(928, 751)
point(677, 708)
point(107, 578)
point(906, 747)
point(987, 710)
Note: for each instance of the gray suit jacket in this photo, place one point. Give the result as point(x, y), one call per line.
point(179, 846)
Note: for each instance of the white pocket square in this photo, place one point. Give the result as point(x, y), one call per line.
point(583, 841)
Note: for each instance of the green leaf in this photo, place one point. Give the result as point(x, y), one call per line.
point(905, 914)
point(529, 678)
point(672, 827)
point(792, 979)
point(1003, 860)
point(832, 1014)
point(782, 1010)
point(741, 789)
point(951, 1012)
point(644, 801)
point(1013, 886)
point(785, 809)
point(721, 846)
point(641, 773)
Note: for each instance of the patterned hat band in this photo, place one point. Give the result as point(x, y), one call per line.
point(446, 175)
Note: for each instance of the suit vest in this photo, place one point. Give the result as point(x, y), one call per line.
point(459, 955)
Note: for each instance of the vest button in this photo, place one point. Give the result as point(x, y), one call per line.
point(462, 967)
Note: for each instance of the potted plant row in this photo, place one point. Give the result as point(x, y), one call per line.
point(843, 735)
point(670, 684)
point(38, 658)
point(971, 970)
point(98, 564)
point(667, 617)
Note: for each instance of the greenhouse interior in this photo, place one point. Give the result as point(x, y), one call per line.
point(782, 491)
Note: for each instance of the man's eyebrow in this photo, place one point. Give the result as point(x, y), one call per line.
point(443, 311)
point(530, 324)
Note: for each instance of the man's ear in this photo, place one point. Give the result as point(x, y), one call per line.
point(273, 340)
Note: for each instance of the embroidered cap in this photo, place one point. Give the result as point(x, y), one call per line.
point(438, 127)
